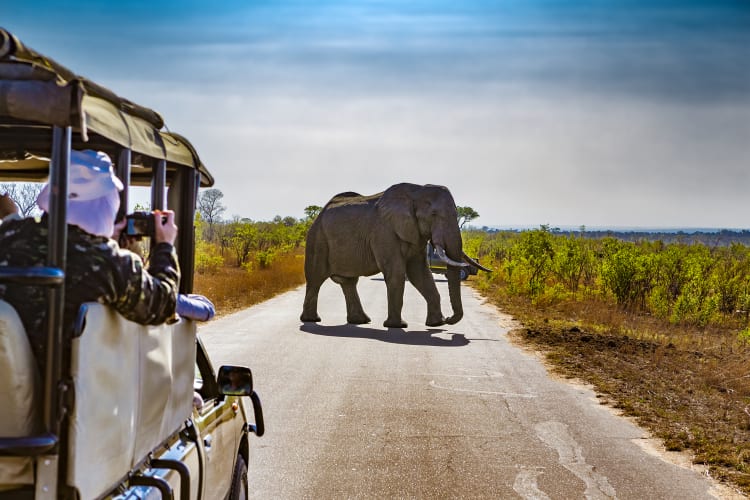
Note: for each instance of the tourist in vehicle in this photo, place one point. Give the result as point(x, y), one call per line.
point(8, 209)
point(97, 268)
point(193, 306)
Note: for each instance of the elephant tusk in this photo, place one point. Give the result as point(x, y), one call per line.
point(476, 264)
point(441, 253)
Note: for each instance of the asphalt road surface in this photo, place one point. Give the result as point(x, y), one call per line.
point(450, 412)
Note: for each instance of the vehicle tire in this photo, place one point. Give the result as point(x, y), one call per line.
point(464, 273)
point(239, 480)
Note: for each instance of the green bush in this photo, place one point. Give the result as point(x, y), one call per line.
point(537, 255)
point(572, 262)
point(265, 258)
point(207, 258)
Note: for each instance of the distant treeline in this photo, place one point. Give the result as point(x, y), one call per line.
point(719, 237)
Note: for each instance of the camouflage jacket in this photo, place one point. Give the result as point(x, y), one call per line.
point(97, 270)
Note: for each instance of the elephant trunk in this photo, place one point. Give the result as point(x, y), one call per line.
point(449, 248)
point(454, 291)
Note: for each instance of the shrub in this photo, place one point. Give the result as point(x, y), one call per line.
point(265, 258)
point(537, 254)
point(207, 258)
point(572, 262)
point(626, 272)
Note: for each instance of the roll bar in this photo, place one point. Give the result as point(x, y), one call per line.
point(44, 102)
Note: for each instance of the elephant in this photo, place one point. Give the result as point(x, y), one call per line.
point(356, 235)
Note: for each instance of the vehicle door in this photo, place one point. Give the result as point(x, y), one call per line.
point(219, 425)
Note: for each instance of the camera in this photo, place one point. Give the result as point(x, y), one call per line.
point(141, 224)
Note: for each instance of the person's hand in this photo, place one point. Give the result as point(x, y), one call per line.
point(118, 228)
point(164, 231)
point(125, 241)
point(7, 206)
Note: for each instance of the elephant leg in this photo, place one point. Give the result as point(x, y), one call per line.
point(420, 276)
point(316, 272)
point(394, 283)
point(355, 314)
point(310, 306)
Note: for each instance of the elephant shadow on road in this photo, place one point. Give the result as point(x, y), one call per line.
point(437, 280)
point(391, 335)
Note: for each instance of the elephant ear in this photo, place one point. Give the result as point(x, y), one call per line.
point(396, 207)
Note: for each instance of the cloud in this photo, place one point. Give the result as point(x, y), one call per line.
point(567, 159)
point(567, 112)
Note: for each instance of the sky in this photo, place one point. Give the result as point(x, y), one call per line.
point(603, 113)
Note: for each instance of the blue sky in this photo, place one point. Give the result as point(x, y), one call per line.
point(567, 112)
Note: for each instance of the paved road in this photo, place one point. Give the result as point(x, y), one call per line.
point(450, 412)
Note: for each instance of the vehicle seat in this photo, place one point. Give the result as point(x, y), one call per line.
point(20, 387)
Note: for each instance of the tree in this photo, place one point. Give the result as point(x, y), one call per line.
point(243, 240)
point(466, 214)
point(312, 211)
point(210, 208)
point(24, 195)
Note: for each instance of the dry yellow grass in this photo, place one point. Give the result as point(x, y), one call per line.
point(234, 288)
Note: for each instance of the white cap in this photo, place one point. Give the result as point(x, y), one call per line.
point(93, 193)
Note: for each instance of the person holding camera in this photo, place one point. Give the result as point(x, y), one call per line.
point(97, 268)
point(131, 231)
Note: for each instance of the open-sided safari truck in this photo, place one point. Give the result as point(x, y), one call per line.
point(122, 410)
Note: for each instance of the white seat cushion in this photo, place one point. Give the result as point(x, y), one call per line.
point(19, 394)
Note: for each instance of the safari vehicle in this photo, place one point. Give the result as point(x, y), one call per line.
point(113, 416)
point(438, 265)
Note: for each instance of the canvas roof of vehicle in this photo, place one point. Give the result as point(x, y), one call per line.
point(36, 92)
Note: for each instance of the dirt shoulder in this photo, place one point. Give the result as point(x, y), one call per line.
point(693, 396)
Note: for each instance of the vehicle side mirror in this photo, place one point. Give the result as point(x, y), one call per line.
point(235, 381)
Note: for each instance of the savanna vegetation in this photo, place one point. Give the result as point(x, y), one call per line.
point(661, 330)
point(240, 262)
